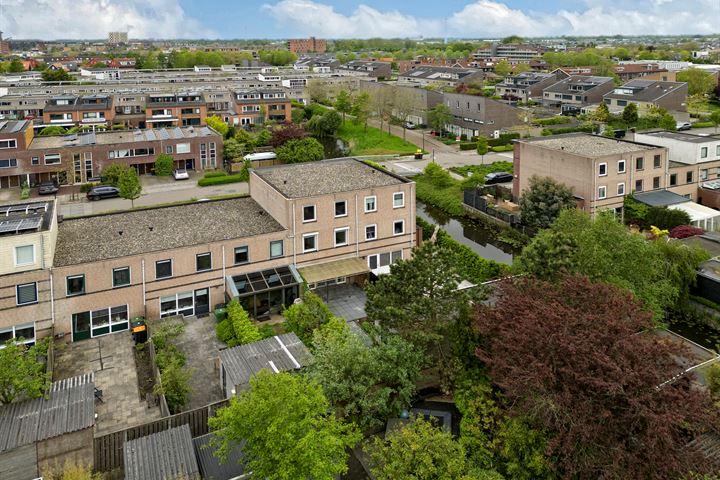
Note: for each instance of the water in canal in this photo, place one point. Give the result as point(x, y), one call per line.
point(469, 233)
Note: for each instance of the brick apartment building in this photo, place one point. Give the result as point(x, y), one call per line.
point(256, 106)
point(87, 110)
point(671, 96)
point(77, 158)
point(331, 222)
point(307, 45)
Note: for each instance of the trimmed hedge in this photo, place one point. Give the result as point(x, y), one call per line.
point(557, 131)
point(223, 179)
point(702, 125)
point(214, 174)
point(468, 146)
point(552, 120)
point(503, 148)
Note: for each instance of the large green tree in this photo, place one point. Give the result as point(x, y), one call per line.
point(288, 428)
point(365, 383)
point(324, 125)
point(300, 151)
point(439, 116)
point(58, 75)
point(361, 108)
point(630, 114)
point(343, 103)
point(22, 374)
point(129, 185)
point(700, 82)
point(218, 124)
point(543, 200)
point(16, 66)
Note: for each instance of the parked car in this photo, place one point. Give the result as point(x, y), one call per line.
point(48, 188)
point(410, 125)
point(683, 126)
point(498, 177)
point(180, 174)
point(103, 192)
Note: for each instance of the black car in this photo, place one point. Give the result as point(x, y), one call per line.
point(103, 192)
point(48, 188)
point(498, 177)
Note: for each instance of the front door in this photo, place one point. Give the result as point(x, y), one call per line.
point(202, 302)
point(190, 164)
point(81, 326)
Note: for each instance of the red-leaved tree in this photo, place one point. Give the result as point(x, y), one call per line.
point(577, 360)
point(282, 135)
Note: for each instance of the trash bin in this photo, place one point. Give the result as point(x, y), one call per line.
point(418, 154)
point(138, 329)
point(220, 314)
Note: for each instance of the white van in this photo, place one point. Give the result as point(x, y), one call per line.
point(255, 157)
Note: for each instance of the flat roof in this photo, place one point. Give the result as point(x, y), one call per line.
point(120, 137)
point(114, 235)
point(162, 456)
point(684, 136)
point(325, 177)
point(587, 145)
point(211, 467)
point(30, 217)
point(660, 198)
point(709, 241)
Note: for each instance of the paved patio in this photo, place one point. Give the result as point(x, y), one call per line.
point(346, 301)
point(112, 359)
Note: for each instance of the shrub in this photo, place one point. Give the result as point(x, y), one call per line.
point(468, 146)
point(552, 120)
point(503, 148)
point(175, 385)
point(685, 231)
point(242, 176)
point(112, 173)
point(25, 192)
point(86, 187)
point(703, 125)
point(303, 318)
point(214, 174)
point(558, 131)
point(301, 150)
point(237, 328)
point(666, 218)
point(224, 331)
point(164, 165)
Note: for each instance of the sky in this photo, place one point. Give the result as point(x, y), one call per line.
point(228, 19)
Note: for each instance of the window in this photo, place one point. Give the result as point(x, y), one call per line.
point(639, 163)
point(602, 192)
point(121, 277)
point(621, 166)
point(242, 255)
point(26, 332)
point(341, 236)
point(703, 174)
point(638, 185)
point(673, 179)
point(35, 161)
point(703, 152)
point(370, 204)
point(168, 149)
point(602, 169)
point(9, 163)
point(309, 213)
point(75, 285)
point(178, 304)
point(163, 269)
point(52, 158)
point(8, 143)
point(384, 259)
point(689, 177)
point(656, 183)
point(310, 241)
point(276, 248)
point(398, 227)
point(341, 208)
point(26, 293)
point(398, 200)
point(656, 161)
point(182, 148)
point(24, 255)
point(371, 232)
point(203, 262)
point(621, 189)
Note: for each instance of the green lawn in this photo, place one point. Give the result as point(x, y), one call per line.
point(372, 141)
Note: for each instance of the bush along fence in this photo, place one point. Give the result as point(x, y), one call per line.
point(474, 198)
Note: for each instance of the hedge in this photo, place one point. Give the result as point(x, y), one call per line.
point(468, 146)
point(558, 131)
point(223, 179)
point(552, 120)
point(214, 174)
point(503, 148)
point(702, 125)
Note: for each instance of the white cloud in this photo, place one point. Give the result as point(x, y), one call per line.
point(489, 18)
point(50, 19)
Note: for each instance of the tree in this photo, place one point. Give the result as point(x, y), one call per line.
point(175, 384)
point(630, 114)
point(58, 75)
point(667, 122)
point(287, 427)
point(420, 450)
point(382, 104)
point(129, 185)
point(233, 151)
point(715, 119)
point(218, 124)
point(284, 134)
point(343, 103)
point(503, 68)
point(543, 201)
point(112, 173)
point(324, 125)
point(237, 328)
point(482, 147)
point(22, 374)
point(366, 384)
point(700, 82)
point(602, 113)
point(305, 317)
point(316, 90)
point(164, 165)
point(16, 66)
point(52, 130)
point(301, 150)
point(404, 103)
point(574, 358)
point(361, 108)
point(439, 116)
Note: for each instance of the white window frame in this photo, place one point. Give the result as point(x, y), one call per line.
point(374, 200)
point(84, 289)
point(624, 166)
point(309, 235)
point(197, 255)
point(395, 234)
point(172, 268)
point(129, 277)
point(53, 162)
point(346, 209)
point(314, 218)
point(16, 255)
point(9, 143)
point(600, 168)
point(603, 189)
point(366, 232)
point(347, 236)
point(15, 328)
point(621, 186)
point(282, 248)
point(182, 148)
point(402, 200)
point(17, 293)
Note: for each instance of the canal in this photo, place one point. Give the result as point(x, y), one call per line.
point(482, 240)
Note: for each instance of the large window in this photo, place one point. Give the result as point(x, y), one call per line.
point(242, 255)
point(341, 208)
point(182, 148)
point(100, 322)
point(163, 269)
point(342, 236)
point(121, 277)
point(75, 285)
point(24, 255)
point(309, 213)
point(52, 158)
point(8, 163)
point(383, 259)
point(370, 204)
point(8, 143)
point(26, 293)
point(178, 304)
point(398, 199)
point(16, 332)
point(276, 248)
point(310, 242)
point(370, 232)
point(203, 262)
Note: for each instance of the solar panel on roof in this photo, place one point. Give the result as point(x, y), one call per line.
point(164, 135)
point(16, 126)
